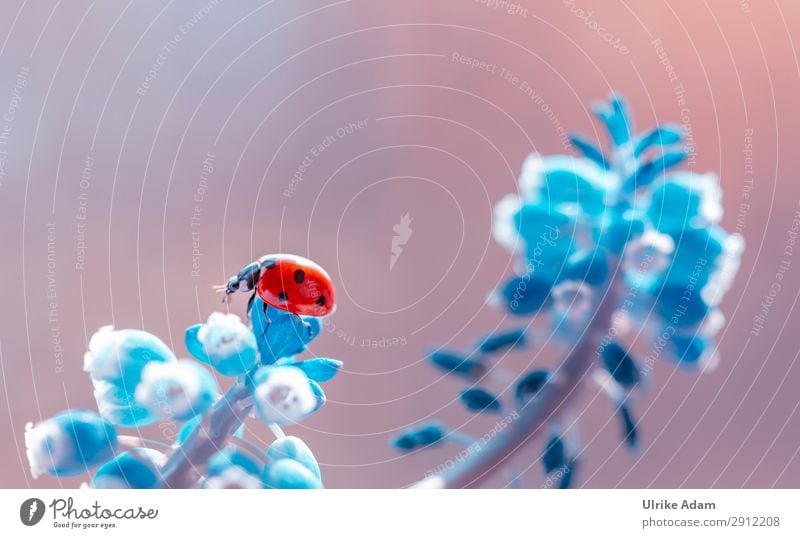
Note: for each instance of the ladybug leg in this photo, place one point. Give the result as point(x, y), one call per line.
point(250, 304)
point(245, 280)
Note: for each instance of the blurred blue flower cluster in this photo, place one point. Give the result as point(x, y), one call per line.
point(138, 380)
point(620, 226)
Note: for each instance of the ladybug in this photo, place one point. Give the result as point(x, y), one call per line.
point(286, 282)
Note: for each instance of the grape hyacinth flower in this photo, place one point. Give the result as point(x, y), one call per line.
point(137, 379)
point(233, 468)
point(224, 342)
point(177, 390)
point(114, 362)
point(282, 394)
point(290, 474)
point(419, 437)
point(294, 448)
point(137, 468)
point(279, 334)
point(70, 443)
point(617, 255)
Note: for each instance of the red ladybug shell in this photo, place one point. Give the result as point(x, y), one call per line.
point(296, 284)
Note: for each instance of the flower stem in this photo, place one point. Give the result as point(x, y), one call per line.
point(209, 437)
point(128, 442)
point(536, 413)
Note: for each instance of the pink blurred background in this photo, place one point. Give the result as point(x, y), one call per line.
point(102, 170)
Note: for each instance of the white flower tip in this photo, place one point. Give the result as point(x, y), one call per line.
point(223, 318)
point(224, 335)
point(285, 396)
point(728, 265)
point(88, 361)
point(101, 339)
point(36, 447)
point(661, 242)
point(621, 321)
point(503, 228)
point(431, 482)
point(609, 385)
point(170, 388)
point(202, 334)
point(494, 299)
point(708, 361)
point(530, 177)
point(233, 477)
point(735, 244)
point(711, 195)
point(712, 324)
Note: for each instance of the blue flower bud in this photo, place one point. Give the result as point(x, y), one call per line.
point(629, 428)
point(554, 456)
point(705, 262)
point(285, 336)
point(314, 327)
point(618, 231)
point(233, 468)
point(530, 383)
point(661, 135)
point(319, 395)
point(70, 443)
point(320, 369)
point(119, 407)
point(590, 266)
point(694, 352)
point(548, 236)
point(118, 356)
point(224, 342)
point(478, 399)
point(615, 116)
point(685, 199)
point(589, 150)
point(452, 362)
point(680, 307)
point(649, 170)
point(620, 364)
point(429, 433)
point(422, 436)
point(405, 442)
point(230, 457)
point(283, 394)
point(566, 475)
point(177, 390)
point(261, 315)
point(138, 468)
point(294, 448)
point(563, 180)
point(274, 345)
point(544, 232)
point(290, 474)
point(525, 295)
point(498, 341)
point(187, 429)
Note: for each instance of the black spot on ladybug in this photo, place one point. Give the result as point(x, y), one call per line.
point(321, 300)
point(282, 296)
point(299, 276)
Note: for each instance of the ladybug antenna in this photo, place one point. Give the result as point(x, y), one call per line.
point(222, 288)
